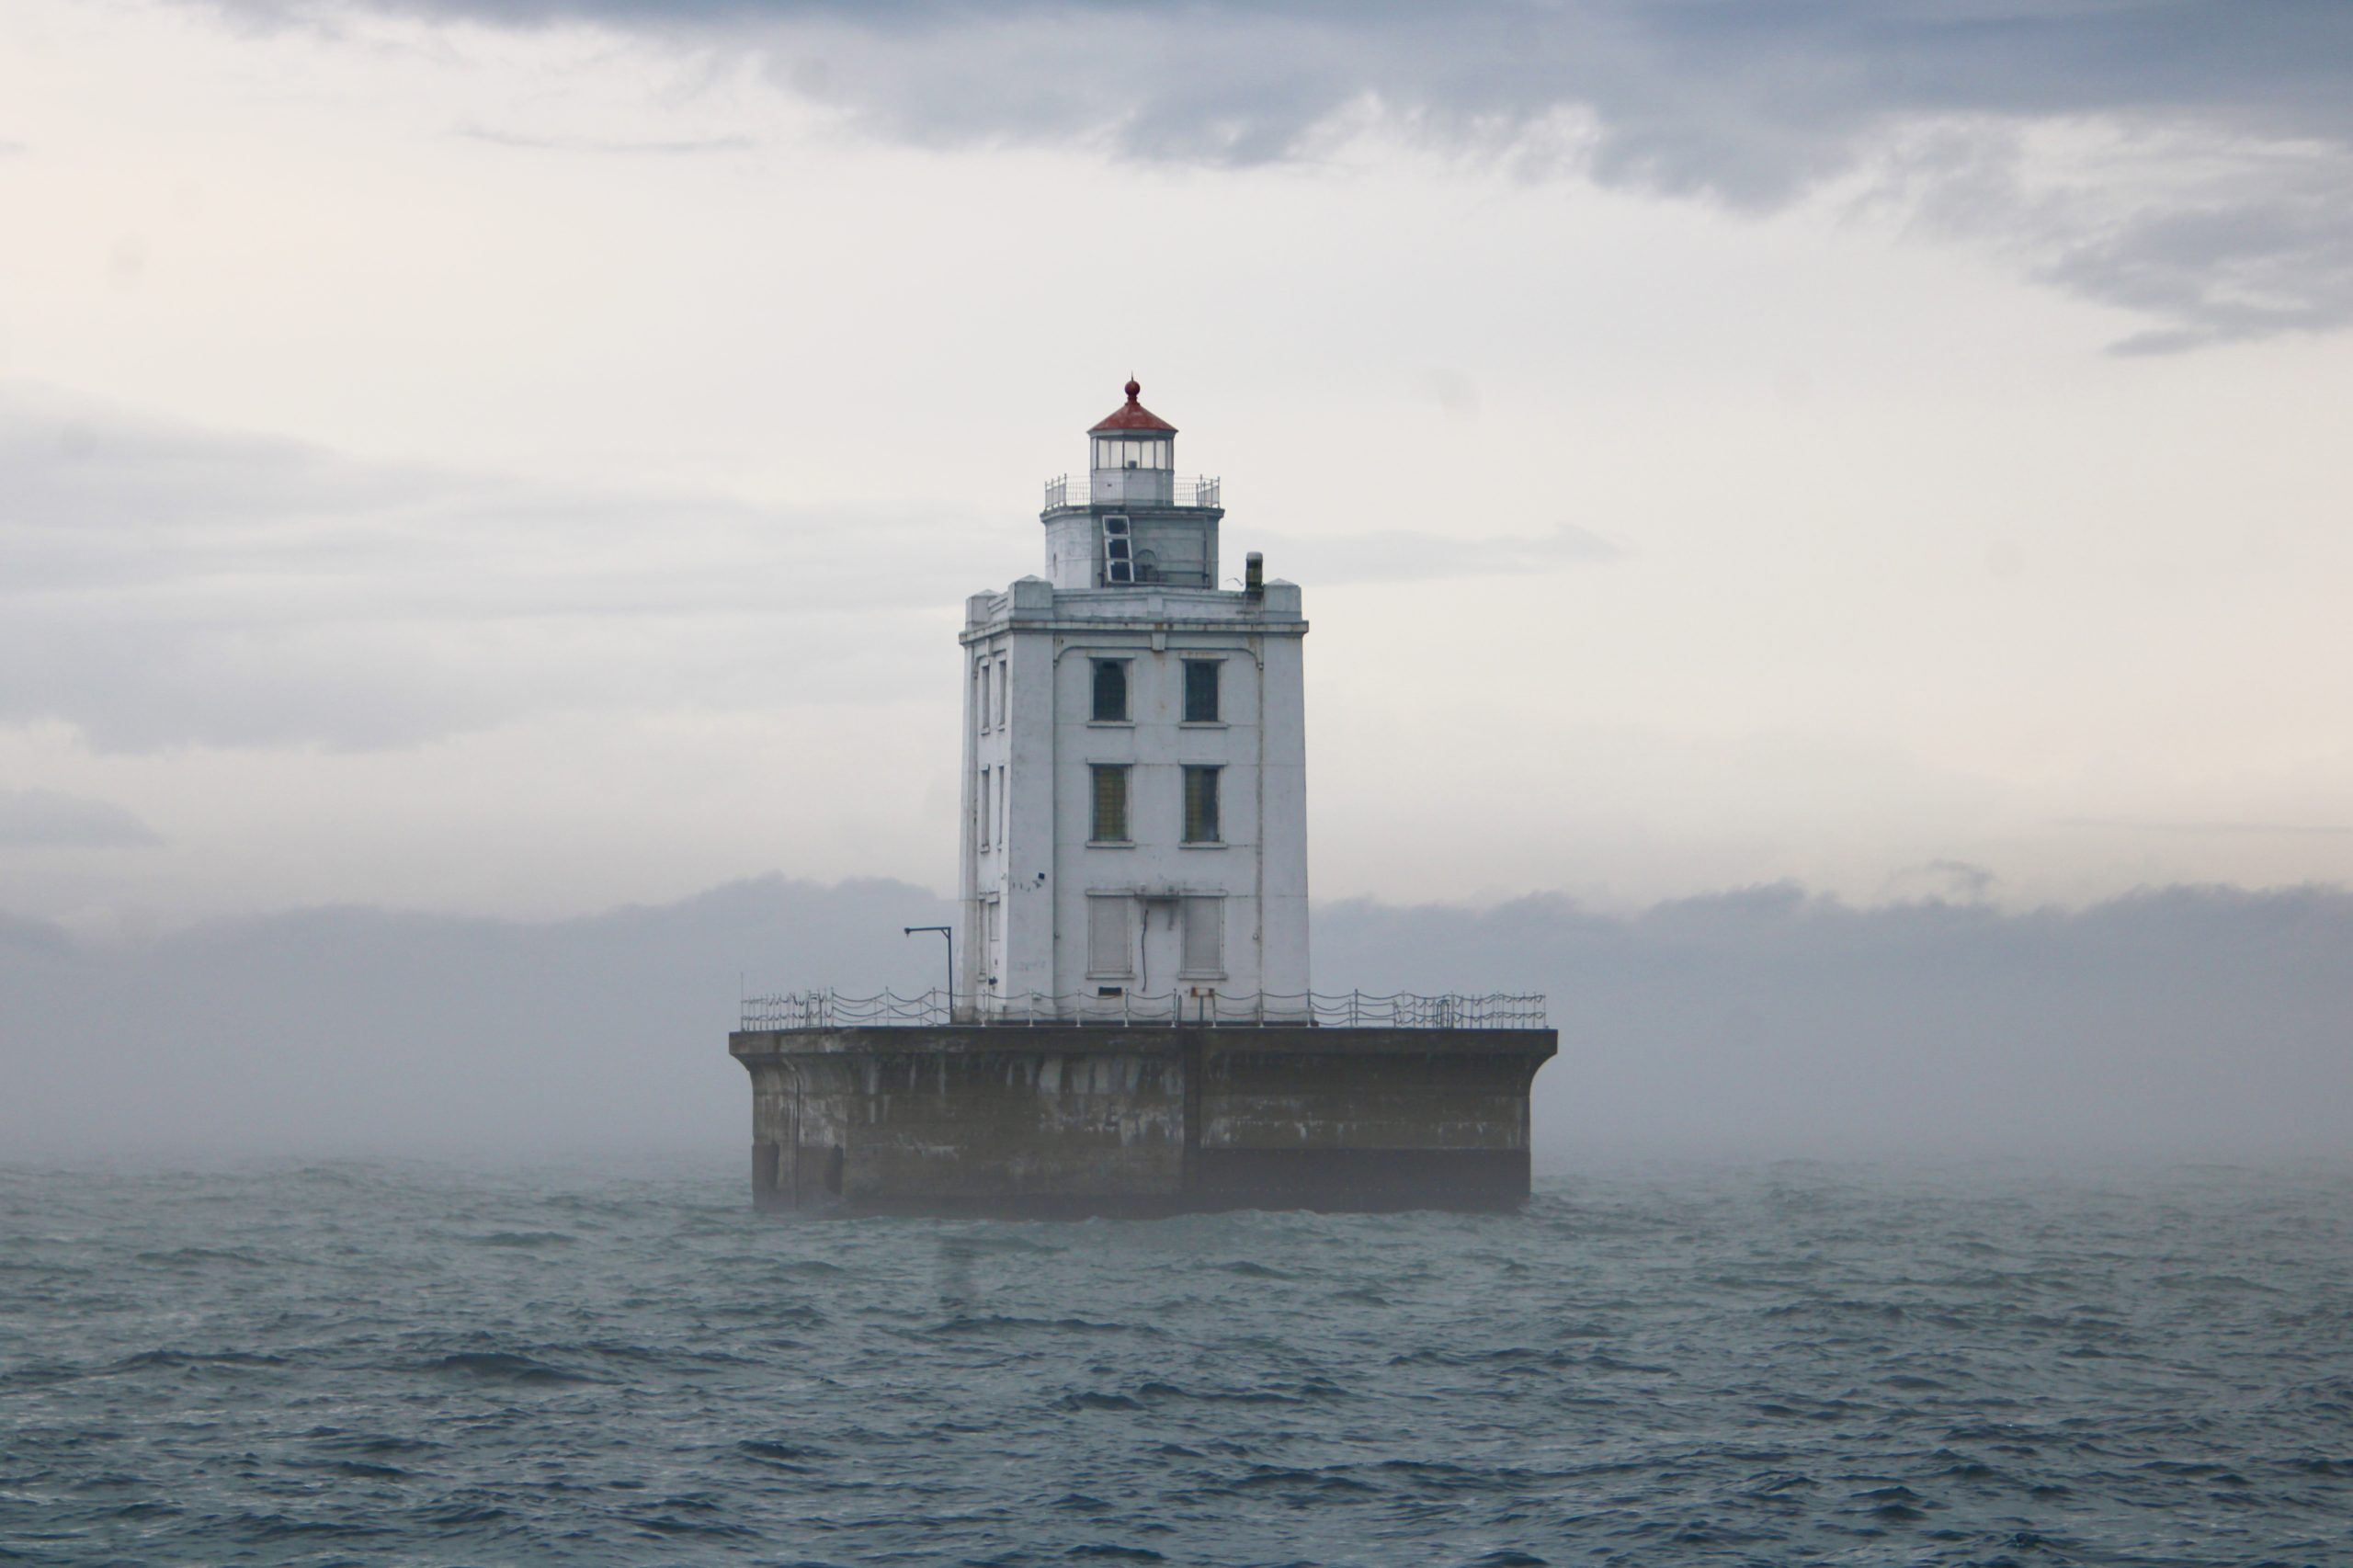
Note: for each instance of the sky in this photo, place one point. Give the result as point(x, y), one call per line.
point(519, 458)
point(1823, 522)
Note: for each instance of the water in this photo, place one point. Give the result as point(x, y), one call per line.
point(1776, 1365)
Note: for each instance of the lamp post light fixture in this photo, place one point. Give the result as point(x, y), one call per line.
point(947, 935)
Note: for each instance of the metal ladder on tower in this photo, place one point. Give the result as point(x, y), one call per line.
point(1119, 553)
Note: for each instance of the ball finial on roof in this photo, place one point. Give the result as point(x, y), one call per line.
point(1133, 415)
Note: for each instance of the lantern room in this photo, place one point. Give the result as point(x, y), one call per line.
point(1134, 458)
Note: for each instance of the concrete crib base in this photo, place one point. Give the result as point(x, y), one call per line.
point(1082, 1120)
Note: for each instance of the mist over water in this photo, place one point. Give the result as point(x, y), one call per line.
point(2184, 1022)
point(1773, 1363)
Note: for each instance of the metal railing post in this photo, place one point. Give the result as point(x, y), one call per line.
point(826, 1008)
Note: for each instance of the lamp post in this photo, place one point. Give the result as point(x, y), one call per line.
point(947, 935)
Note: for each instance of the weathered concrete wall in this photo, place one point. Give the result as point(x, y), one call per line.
point(1108, 1120)
point(1407, 1099)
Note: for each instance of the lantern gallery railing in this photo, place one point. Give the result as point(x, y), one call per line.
point(1136, 489)
point(1346, 1009)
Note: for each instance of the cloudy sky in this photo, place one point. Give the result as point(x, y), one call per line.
point(515, 457)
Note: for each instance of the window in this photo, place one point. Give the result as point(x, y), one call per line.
point(1134, 451)
point(1119, 562)
point(984, 802)
point(1111, 824)
point(1004, 693)
point(1204, 935)
point(1004, 807)
point(1110, 690)
point(1201, 805)
point(1200, 691)
point(1107, 934)
point(980, 696)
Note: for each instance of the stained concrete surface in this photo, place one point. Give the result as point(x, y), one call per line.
point(1102, 1118)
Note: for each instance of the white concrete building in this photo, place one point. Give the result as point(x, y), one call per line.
point(1135, 785)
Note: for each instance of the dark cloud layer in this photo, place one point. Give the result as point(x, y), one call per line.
point(2218, 205)
point(2191, 1022)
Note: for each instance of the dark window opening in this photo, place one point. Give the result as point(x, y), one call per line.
point(1111, 689)
point(1200, 691)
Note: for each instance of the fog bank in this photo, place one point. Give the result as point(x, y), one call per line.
point(2194, 1022)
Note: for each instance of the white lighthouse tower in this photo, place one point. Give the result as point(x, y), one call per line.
point(1135, 803)
point(1134, 872)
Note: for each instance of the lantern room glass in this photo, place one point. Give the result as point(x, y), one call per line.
point(1132, 452)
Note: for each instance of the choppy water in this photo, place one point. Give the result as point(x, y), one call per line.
point(1793, 1364)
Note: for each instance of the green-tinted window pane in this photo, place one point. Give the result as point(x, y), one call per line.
point(1111, 824)
point(1201, 805)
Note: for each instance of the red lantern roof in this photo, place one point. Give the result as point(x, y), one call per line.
point(1134, 416)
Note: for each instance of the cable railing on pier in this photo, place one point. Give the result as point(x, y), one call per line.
point(831, 1009)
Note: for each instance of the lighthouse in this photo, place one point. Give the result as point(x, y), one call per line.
point(1134, 824)
point(1130, 1026)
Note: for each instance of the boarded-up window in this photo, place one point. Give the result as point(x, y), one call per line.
point(1106, 935)
point(1110, 819)
point(1200, 691)
point(1204, 935)
point(1110, 688)
point(1201, 805)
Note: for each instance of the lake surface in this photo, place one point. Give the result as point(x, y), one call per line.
point(1792, 1363)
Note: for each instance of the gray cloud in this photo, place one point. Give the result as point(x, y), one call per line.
point(45, 819)
point(161, 586)
point(2190, 1022)
point(2237, 118)
point(1957, 881)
